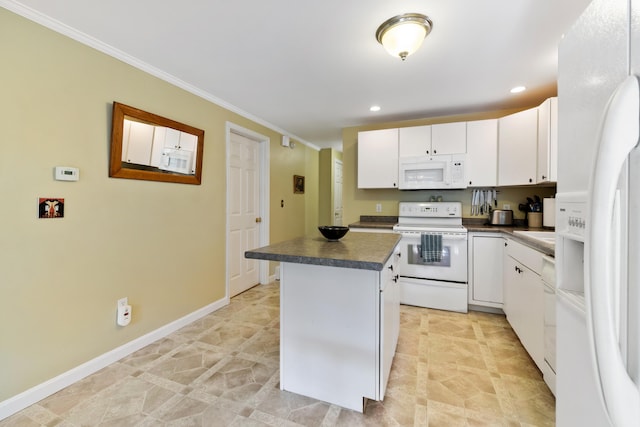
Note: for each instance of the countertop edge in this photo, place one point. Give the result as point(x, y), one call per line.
point(548, 250)
point(375, 265)
point(505, 230)
point(326, 262)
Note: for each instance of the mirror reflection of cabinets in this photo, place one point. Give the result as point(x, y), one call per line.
point(147, 146)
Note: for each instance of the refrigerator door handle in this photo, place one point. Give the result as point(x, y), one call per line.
point(619, 135)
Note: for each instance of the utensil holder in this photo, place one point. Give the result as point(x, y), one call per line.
point(534, 219)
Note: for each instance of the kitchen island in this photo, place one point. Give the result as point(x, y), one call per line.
point(339, 315)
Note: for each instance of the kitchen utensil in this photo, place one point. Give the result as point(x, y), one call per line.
point(534, 219)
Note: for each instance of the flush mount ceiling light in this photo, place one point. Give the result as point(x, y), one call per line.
point(518, 89)
point(402, 35)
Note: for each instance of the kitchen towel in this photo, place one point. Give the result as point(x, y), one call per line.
point(431, 247)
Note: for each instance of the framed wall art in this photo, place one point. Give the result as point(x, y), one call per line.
point(298, 184)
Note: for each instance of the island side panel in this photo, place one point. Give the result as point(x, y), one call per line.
point(329, 333)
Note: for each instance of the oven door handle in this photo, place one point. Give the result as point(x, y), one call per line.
point(444, 236)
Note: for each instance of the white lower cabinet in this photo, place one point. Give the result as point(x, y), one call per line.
point(338, 332)
point(524, 297)
point(486, 257)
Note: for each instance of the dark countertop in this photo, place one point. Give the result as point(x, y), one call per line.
point(375, 221)
point(364, 251)
point(508, 231)
point(473, 225)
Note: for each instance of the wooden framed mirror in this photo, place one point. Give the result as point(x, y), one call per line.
point(150, 147)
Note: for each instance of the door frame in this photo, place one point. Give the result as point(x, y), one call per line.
point(333, 190)
point(263, 193)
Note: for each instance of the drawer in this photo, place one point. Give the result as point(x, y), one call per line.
point(525, 255)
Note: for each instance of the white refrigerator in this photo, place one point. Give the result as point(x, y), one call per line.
point(598, 219)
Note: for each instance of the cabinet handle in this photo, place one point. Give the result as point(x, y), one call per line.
point(427, 151)
point(435, 152)
point(530, 179)
point(505, 244)
point(391, 267)
point(469, 182)
point(394, 184)
point(544, 177)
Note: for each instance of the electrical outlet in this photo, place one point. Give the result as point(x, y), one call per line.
point(122, 302)
point(378, 207)
point(506, 206)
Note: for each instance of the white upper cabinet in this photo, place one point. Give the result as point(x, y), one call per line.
point(137, 143)
point(548, 141)
point(415, 141)
point(518, 148)
point(445, 138)
point(482, 153)
point(449, 138)
point(378, 159)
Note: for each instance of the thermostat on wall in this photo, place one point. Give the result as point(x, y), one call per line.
point(66, 173)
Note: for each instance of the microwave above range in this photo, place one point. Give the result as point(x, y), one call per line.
point(433, 172)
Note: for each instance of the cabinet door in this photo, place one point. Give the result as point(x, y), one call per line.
point(139, 144)
point(517, 148)
point(486, 270)
point(378, 159)
point(482, 153)
point(449, 138)
point(548, 141)
point(524, 307)
point(389, 318)
point(415, 141)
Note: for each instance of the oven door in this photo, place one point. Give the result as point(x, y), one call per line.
point(452, 266)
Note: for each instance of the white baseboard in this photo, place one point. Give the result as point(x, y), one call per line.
point(35, 394)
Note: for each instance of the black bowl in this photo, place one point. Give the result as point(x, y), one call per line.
point(333, 232)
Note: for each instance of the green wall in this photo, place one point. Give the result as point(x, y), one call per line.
point(60, 278)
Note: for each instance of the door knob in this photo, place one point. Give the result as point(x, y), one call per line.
point(258, 219)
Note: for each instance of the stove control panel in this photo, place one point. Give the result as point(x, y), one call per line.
point(430, 209)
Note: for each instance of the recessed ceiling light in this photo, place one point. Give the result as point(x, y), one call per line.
point(374, 108)
point(518, 89)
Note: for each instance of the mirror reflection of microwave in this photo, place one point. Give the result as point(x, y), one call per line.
point(432, 172)
point(176, 161)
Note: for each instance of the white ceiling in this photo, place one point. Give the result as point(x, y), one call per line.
point(308, 69)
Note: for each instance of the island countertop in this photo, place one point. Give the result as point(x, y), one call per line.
point(365, 251)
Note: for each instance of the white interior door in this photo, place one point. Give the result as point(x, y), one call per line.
point(337, 193)
point(244, 220)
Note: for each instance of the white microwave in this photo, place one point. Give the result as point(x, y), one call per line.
point(432, 172)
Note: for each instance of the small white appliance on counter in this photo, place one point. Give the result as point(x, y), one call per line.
point(549, 212)
point(433, 255)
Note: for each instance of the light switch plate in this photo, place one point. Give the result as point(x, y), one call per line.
point(67, 173)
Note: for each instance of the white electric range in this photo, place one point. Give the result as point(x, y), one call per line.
point(433, 257)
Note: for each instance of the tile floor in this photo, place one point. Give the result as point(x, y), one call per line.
point(450, 369)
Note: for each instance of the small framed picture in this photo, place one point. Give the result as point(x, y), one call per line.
point(50, 207)
point(298, 184)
